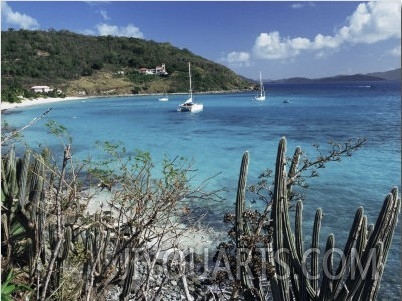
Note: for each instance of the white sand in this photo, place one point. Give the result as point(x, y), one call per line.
point(36, 101)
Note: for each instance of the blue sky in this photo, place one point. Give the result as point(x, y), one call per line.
point(280, 38)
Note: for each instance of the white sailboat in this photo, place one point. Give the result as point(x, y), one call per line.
point(165, 97)
point(261, 95)
point(189, 105)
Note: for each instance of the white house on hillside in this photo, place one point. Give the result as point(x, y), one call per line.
point(159, 70)
point(41, 89)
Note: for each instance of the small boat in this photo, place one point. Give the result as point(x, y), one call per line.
point(164, 97)
point(189, 105)
point(286, 101)
point(261, 95)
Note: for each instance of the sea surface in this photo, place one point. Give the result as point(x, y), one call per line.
point(216, 138)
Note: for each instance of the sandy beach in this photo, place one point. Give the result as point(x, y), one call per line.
point(36, 101)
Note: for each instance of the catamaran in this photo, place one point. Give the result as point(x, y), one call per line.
point(189, 105)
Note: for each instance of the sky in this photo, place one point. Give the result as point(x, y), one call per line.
point(281, 39)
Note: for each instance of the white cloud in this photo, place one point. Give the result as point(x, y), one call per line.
point(373, 22)
point(12, 18)
point(104, 15)
point(297, 5)
point(128, 31)
point(300, 43)
point(301, 5)
point(396, 51)
point(270, 46)
point(322, 42)
point(237, 58)
point(370, 23)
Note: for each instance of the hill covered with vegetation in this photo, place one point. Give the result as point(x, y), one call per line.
point(78, 64)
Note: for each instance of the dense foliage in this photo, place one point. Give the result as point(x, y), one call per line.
point(56, 58)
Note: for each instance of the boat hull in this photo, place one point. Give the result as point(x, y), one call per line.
point(190, 107)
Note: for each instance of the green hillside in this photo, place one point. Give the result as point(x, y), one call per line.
point(105, 65)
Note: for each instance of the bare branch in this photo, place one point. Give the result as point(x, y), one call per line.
point(15, 133)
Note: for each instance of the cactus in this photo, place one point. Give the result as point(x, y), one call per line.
point(240, 199)
point(242, 230)
point(298, 229)
point(128, 281)
point(9, 177)
point(357, 230)
point(22, 175)
point(62, 253)
point(315, 246)
point(326, 288)
point(23, 212)
point(19, 211)
point(96, 246)
point(66, 248)
point(369, 245)
point(279, 283)
point(367, 248)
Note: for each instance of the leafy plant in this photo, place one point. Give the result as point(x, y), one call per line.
point(9, 288)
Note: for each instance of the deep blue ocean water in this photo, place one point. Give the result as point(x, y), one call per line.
point(230, 124)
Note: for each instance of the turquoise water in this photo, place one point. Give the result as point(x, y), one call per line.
point(231, 124)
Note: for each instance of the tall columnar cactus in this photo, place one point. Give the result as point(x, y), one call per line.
point(315, 246)
point(128, 281)
point(242, 230)
point(96, 240)
point(21, 184)
point(240, 199)
point(279, 281)
point(368, 247)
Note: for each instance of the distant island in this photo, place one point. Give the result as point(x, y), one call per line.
point(375, 76)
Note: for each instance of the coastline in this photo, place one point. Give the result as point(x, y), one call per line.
point(25, 102)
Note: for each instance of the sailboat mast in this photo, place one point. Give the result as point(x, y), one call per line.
point(189, 74)
point(261, 85)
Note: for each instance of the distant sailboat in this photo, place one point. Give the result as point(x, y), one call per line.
point(189, 105)
point(164, 97)
point(261, 95)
